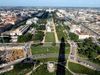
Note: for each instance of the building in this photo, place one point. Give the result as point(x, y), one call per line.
point(19, 31)
point(75, 28)
point(48, 26)
point(78, 30)
point(82, 35)
point(31, 21)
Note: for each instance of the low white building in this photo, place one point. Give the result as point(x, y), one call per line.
point(35, 20)
point(83, 36)
point(59, 15)
point(48, 29)
point(48, 26)
point(31, 21)
point(50, 10)
point(20, 30)
point(78, 31)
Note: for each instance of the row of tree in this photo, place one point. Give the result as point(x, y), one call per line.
point(38, 36)
point(25, 38)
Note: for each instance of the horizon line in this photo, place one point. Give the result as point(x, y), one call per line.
point(58, 6)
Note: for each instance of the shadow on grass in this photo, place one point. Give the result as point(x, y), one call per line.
point(61, 59)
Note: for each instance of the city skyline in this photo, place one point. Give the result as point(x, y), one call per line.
point(52, 3)
point(44, 40)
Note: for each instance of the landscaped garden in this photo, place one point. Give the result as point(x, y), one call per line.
point(42, 70)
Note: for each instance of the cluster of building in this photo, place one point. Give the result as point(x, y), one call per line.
point(17, 22)
point(83, 22)
point(81, 32)
point(23, 29)
point(10, 18)
point(14, 23)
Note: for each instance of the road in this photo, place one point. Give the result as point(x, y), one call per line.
point(48, 55)
point(34, 68)
point(73, 49)
point(12, 63)
point(27, 48)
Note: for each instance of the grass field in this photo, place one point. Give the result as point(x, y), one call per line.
point(42, 49)
point(47, 49)
point(48, 59)
point(49, 37)
point(77, 68)
point(60, 32)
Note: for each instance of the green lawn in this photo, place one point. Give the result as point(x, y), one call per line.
point(48, 59)
point(47, 49)
point(42, 49)
point(60, 32)
point(42, 70)
point(77, 68)
point(49, 37)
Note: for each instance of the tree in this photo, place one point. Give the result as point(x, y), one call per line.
point(38, 36)
point(89, 49)
point(73, 36)
point(99, 39)
point(25, 38)
point(41, 27)
point(42, 21)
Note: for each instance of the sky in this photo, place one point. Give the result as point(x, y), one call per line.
point(62, 3)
